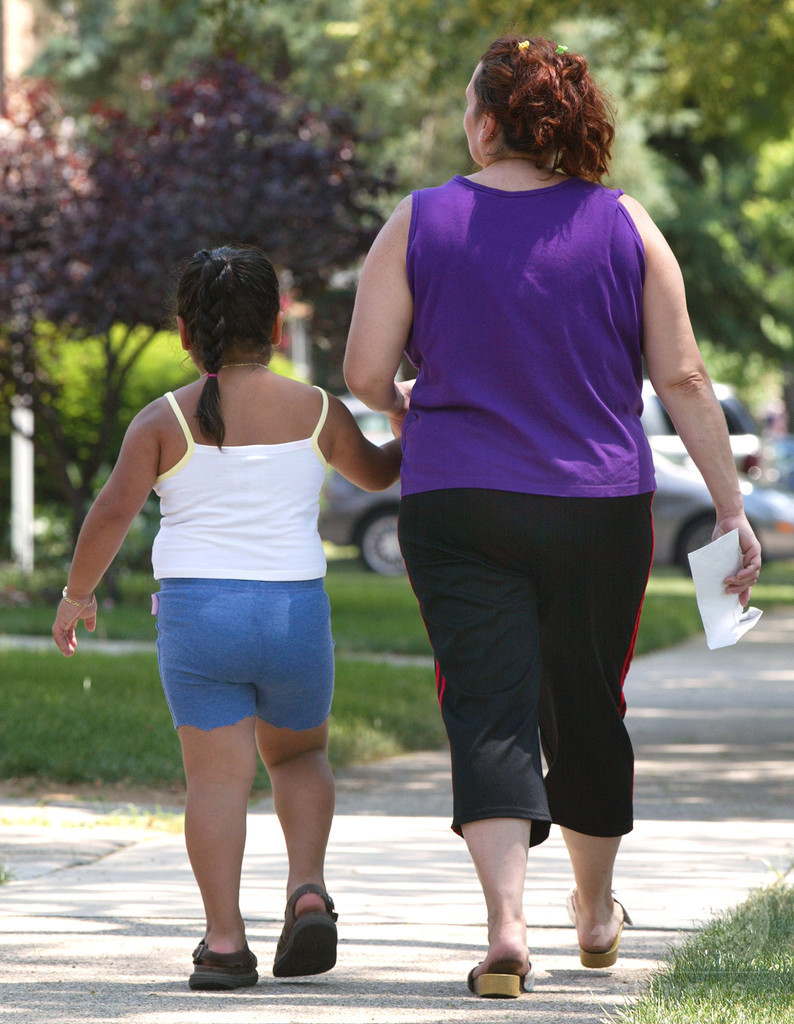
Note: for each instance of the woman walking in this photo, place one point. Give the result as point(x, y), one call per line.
point(527, 296)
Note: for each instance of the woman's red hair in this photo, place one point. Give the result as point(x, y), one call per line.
point(546, 104)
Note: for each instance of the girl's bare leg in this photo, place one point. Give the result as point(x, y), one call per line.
point(219, 768)
point(303, 798)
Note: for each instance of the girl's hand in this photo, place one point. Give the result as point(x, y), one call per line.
point(396, 416)
point(68, 615)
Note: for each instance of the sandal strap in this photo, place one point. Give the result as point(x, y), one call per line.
point(206, 957)
point(289, 911)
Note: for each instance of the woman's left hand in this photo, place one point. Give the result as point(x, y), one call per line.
point(742, 581)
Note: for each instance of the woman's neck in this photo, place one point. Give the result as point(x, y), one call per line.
point(517, 173)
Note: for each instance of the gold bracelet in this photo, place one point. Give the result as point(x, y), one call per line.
point(77, 604)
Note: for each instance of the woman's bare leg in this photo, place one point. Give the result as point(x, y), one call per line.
point(598, 916)
point(498, 848)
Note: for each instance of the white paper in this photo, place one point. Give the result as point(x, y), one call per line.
point(723, 618)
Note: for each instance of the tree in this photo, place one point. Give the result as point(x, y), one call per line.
point(703, 86)
point(709, 86)
point(769, 208)
point(104, 49)
point(720, 68)
point(45, 177)
point(226, 157)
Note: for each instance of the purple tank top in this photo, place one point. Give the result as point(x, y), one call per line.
point(527, 339)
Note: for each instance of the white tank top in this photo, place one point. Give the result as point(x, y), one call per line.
point(248, 512)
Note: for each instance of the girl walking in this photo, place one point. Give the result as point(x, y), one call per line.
point(245, 651)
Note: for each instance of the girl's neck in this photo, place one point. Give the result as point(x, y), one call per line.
point(233, 366)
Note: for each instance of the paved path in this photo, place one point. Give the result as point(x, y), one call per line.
point(100, 921)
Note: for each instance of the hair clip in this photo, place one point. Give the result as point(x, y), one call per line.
point(524, 44)
point(561, 49)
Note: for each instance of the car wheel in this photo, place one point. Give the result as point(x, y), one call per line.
point(696, 534)
point(380, 548)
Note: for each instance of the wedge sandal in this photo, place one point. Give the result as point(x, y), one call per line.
point(308, 943)
point(501, 982)
point(606, 957)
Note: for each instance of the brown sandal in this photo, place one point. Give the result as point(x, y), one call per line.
point(308, 943)
point(215, 971)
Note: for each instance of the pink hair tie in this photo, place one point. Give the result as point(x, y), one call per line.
point(212, 374)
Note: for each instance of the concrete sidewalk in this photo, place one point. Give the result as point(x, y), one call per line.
point(99, 924)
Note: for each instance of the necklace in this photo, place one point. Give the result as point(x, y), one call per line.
point(226, 366)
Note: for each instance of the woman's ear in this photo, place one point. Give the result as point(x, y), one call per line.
point(278, 326)
point(487, 128)
point(183, 335)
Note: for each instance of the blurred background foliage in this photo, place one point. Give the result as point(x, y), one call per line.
point(366, 99)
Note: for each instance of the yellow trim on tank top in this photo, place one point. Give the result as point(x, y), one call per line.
point(188, 437)
point(319, 427)
point(191, 444)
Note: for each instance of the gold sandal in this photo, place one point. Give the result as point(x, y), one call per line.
point(501, 982)
point(607, 957)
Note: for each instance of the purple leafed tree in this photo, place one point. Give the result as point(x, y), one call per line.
point(92, 245)
point(45, 182)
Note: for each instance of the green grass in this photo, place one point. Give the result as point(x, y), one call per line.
point(374, 613)
point(99, 718)
point(377, 613)
point(128, 621)
point(738, 970)
point(368, 612)
point(670, 613)
point(94, 717)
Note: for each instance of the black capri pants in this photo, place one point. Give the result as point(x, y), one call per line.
point(532, 605)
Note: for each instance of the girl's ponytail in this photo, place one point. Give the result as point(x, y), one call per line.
point(215, 283)
point(229, 300)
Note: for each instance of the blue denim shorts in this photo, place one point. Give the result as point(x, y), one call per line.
point(229, 649)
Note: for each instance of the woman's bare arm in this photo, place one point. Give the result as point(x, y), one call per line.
point(679, 377)
point(382, 319)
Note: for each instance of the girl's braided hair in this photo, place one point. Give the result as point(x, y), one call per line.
point(229, 300)
point(546, 103)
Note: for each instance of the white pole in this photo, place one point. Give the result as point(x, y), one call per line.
point(22, 487)
point(2, 62)
point(300, 347)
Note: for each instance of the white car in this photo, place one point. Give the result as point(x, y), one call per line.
point(746, 441)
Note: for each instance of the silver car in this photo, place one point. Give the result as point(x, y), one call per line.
point(683, 513)
point(365, 519)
